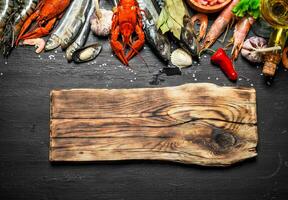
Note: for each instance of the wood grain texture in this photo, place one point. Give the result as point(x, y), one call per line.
point(26, 174)
point(194, 123)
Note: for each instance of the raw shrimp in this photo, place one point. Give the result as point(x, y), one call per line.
point(203, 21)
point(285, 58)
point(28, 8)
point(13, 29)
point(241, 30)
point(39, 43)
point(218, 27)
point(6, 9)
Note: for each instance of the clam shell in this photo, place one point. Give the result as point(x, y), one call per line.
point(181, 58)
point(87, 53)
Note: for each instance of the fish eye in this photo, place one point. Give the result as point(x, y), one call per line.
point(190, 39)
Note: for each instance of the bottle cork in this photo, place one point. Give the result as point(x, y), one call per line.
point(271, 61)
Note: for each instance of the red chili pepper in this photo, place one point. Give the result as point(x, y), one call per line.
point(220, 58)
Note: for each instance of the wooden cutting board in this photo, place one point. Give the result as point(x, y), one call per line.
point(200, 124)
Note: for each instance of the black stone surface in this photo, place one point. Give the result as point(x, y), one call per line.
point(25, 172)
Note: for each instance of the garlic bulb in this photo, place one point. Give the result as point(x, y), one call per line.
point(181, 58)
point(252, 47)
point(101, 21)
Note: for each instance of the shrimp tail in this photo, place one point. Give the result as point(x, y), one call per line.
point(203, 21)
point(235, 51)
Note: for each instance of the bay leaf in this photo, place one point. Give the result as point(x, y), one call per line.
point(171, 17)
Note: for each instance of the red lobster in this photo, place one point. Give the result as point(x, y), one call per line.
point(126, 20)
point(46, 15)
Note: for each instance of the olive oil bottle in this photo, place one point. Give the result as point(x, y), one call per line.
point(275, 12)
point(273, 58)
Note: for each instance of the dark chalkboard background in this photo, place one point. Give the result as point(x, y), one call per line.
point(25, 172)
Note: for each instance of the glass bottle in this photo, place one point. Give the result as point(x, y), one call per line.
point(275, 12)
point(273, 58)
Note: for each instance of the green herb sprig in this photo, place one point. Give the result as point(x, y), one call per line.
point(247, 7)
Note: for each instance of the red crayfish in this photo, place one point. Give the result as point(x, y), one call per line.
point(46, 15)
point(126, 20)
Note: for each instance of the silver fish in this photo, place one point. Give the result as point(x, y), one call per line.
point(77, 20)
point(188, 38)
point(160, 4)
point(160, 44)
point(82, 37)
point(148, 5)
point(115, 2)
point(69, 26)
point(55, 38)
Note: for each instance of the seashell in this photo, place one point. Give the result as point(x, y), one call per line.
point(181, 58)
point(101, 26)
point(87, 53)
point(70, 51)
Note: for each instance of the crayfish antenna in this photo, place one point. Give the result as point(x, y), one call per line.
point(137, 53)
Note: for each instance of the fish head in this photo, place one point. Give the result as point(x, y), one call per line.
point(163, 47)
point(188, 38)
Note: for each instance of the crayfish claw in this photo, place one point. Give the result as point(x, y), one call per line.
point(138, 44)
point(120, 54)
point(122, 57)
